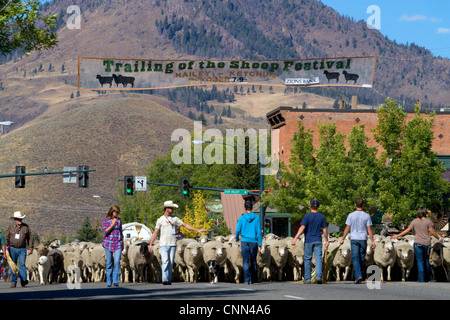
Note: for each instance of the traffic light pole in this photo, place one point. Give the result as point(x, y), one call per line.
point(41, 173)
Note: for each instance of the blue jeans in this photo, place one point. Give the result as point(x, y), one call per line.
point(113, 266)
point(18, 255)
point(422, 254)
point(167, 259)
point(310, 248)
point(358, 249)
point(249, 267)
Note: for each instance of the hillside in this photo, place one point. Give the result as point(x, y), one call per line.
point(55, 126)
point(114, 137)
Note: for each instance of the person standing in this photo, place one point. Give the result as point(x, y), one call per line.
point(358, 224)
point(313, 225)
point(168, 225)
point(18, 235)
point(249, 227)
point(421, 226)
point(113, 244)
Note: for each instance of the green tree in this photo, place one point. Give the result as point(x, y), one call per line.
point(413, 175)
point(89, 233)
point(22, 27)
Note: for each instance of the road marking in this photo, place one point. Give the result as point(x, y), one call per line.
point(294, 297)
point(245, 289)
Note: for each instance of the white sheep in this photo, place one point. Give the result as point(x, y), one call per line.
point(88, 267)
point(368, 259)
point(342, 259)
point(73, 264)
point(405, 258)
point(32, 263)
point(263, 259)
point(279, 256)
point(446, 254)
point(98, 257)
point(215, 251)
point(234, 256)
point(385, 257)
point(156, 263)
point(193, 257)
point(296, 257)
point(180, 267)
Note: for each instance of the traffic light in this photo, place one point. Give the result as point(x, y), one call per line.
point(185, 187)
point(267, 225)
point(83, 177)
point(128, 185)
point(20, 180)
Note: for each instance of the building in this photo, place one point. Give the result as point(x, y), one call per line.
point(283, 122)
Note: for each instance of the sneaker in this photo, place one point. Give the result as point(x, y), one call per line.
point(358, 281)
point(319, 281)
point(23, 283)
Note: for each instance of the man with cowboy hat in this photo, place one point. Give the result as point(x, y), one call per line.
point(18, 234)
point(168, 226)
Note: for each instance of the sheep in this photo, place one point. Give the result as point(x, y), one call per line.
point(263, 261)
point(104, 80)
point(214, 251)
point(446, 255)
point(73, 264)
point(125, 263)
point(234, 255)
point(331, 75)
point(436, 258)
point(43, 269)
point(87, 271)
point(140, 259)
point(385, 257)
point(369, 260)
point(156, 263)
point(193, 257)
point(279, 256)
point(350, 76)
point(342, 259)
point(123, 80)
point(98, 257)
point(32, 263)
point(296, 256)
point(180, 265)
point(405, 258)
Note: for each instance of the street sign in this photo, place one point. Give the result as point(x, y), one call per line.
point(70, 177)
point(235, 191)
point(140, 183)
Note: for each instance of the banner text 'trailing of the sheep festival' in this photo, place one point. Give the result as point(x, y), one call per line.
point(142, 74)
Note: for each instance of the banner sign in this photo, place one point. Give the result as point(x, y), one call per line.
point(141, 74)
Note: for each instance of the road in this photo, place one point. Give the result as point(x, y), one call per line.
point(286, 290)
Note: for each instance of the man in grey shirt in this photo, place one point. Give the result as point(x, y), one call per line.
point(358, 224)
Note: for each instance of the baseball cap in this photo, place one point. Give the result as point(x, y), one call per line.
point(314, 203)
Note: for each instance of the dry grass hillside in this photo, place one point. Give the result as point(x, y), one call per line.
point(114, 137)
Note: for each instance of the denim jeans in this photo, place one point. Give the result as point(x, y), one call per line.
point(18, 255)
point(358, 251)
point(422, 254)
point(249, 267)
point(310, 248)
point(167, 259)
point(113, 266)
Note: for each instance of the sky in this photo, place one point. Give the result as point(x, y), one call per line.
point(424, 22)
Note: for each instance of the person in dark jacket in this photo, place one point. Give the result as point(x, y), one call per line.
point(249, 228)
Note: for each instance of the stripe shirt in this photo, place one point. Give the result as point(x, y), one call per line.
point(114, 239)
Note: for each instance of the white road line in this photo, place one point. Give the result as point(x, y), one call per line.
point(294, 297)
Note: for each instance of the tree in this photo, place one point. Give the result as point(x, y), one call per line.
point(22, 27)
point(413, 175)
point(198, 219)
point(88, 233)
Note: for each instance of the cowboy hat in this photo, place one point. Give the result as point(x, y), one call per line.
point(18, 215)
point(169, 204)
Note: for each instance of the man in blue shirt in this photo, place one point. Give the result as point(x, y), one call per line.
point(313, 224)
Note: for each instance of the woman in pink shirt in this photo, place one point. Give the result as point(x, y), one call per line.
point(113, 244)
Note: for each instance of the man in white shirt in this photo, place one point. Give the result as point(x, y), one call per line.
point(168, 226)
point(360, 223)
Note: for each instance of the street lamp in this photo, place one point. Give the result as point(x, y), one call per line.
point(261, 174)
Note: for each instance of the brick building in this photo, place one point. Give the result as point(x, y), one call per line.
point(283, 122)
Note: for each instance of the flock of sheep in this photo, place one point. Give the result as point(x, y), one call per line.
point(277, 260)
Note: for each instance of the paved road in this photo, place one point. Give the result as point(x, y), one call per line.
point(230, 292)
